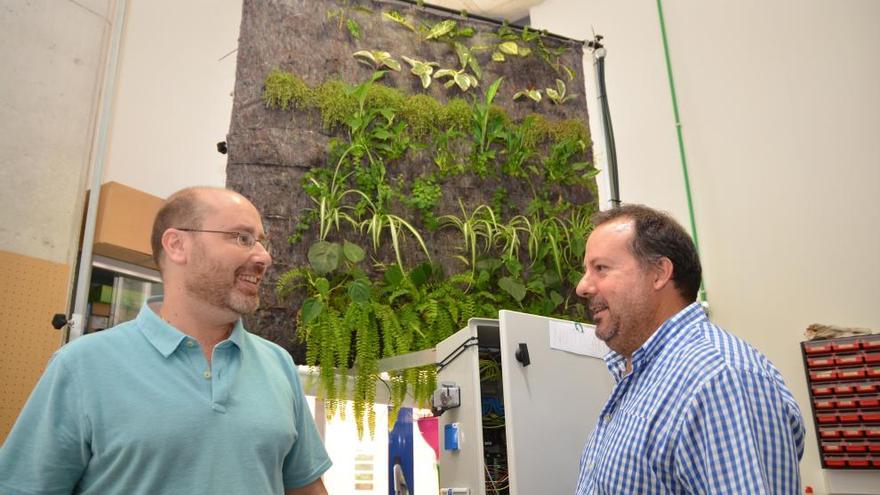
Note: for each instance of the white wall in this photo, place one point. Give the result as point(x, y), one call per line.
point(53, 60)
point(780, 111)
point(174, 94)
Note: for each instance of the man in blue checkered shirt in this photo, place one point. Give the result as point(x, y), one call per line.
point(694, 409)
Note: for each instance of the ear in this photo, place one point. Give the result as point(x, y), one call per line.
point(174, 244)
point(662, 272)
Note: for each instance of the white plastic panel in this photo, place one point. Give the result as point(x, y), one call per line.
point(550, 406)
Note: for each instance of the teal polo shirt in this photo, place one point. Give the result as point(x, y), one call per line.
point(137, 410)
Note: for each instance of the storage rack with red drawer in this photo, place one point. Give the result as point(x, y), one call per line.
point(844, 379)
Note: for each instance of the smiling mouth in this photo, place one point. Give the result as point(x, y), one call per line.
point(251, 279)
point(595, 310)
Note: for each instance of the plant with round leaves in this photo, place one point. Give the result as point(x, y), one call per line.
point(530, 93)
point(421, 69)
point(557, 95)
point(377, 59)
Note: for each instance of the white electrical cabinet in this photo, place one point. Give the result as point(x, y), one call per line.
point(551, 401)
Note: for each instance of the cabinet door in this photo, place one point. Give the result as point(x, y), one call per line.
point(462, 468)
point(550, 406)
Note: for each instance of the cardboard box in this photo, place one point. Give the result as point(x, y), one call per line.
point(124, 222)
point(100, 309)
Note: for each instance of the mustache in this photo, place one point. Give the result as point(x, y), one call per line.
point(596, 304)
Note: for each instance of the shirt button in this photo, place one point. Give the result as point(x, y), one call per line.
point(189, 343)
point(590, 466)
point(607, 418)
point(207, 374)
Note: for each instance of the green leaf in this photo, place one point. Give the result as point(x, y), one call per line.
point(497, 57)
point(365, 56)
point(391, 64)
point(323, 286)
point(399, 18)
point(512, 287)
point(311, 309)
point(352, 252)
point(463, 54)
point(393, 276)
point(555, 298)
point(463, 81)
point(490, 93)
point(420, 274)
point(440, 29)
point(353, 28)
point(426, 80)
point(359, 290)
point(324, 256)
point(509, 48)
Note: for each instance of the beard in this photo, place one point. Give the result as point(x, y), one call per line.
point(620, 326)
point(212, 284)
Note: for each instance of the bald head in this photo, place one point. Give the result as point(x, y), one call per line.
point(186, 208)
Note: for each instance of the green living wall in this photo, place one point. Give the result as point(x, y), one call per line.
point(415, 169)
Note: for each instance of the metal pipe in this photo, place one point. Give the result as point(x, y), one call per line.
point(84, 275)
point(610, 149)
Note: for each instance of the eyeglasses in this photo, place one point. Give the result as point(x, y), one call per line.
point(243, 239)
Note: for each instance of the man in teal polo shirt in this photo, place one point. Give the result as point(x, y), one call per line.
point(181, 400)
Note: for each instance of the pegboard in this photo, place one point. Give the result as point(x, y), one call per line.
point(33, 291)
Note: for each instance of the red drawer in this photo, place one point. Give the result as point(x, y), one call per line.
point(852, 433)
point(851, 374)
point(846, 404)
point(824, 404)
point(868, 403)
point(848, 360)
point(819, 348)
point(858, 462)
point(829, 433)
point(819, 376)
point(832, 448)
point(856, 447)
point(874, 372)
point(851, 418)
point(874, 447)
point(823, 390)
point(870, 417)
point(873, 357)
point(835, 462)
point(820, 362)
point(844, 389)
point(871, 343)
point(845, 346)
point(826, 418)
point(876, 462)
point(872, 432)
point(865, 388)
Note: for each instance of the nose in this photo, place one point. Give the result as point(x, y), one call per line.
point(261, 255)
point(585, 287)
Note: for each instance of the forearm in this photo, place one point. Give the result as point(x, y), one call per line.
point(314, 488)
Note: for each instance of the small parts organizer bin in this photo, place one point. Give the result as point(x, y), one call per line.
point(844, 379)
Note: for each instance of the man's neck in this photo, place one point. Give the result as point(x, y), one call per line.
point(208, 325)
point(665, 310)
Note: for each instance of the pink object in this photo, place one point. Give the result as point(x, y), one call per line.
point(429, 430)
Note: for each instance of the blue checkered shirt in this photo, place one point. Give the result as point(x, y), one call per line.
point(701, 412)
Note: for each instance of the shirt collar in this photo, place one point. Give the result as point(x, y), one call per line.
point(164, 337)
point(673, 329)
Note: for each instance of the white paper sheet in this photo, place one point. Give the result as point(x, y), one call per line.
point(578, 338)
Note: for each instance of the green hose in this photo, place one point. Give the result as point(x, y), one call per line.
point(684, 168)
